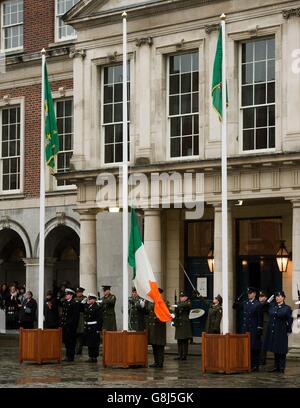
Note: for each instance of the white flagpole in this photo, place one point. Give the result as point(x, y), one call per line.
point(224, 185)
point(42, 200)
point(125, 179)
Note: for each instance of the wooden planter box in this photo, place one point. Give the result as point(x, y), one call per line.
point(40, 345)
point(228, 353)
point(125, 349)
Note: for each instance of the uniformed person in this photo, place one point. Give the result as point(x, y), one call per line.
point(136, 311)
point(107, 303)
point(92, 327)
point(79, 298)
point(156, 334)
point(214, 316)
point(279, 326)
point(183, 328)
point(265, 311)
point(252, 323)
point(69, 323)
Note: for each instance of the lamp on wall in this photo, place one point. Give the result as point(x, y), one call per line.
point(211, 259)
point(282, 257)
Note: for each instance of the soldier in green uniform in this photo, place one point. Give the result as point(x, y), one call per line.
point(80, 328)
point(156, 334)
point(136, 311)
point(183, 328)
point(214, 316)
point(107, 303)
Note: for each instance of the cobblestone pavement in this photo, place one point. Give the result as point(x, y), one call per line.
point(81, 374)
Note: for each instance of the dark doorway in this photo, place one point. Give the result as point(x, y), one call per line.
point(198, 242)
point(257, 243)
point(12, 253)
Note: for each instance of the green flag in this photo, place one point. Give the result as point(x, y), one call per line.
point(217, 77)
point(51, 133)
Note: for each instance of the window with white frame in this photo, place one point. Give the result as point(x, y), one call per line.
point(10, 149)
point(64, 31)
point(12, 24)
point(183, 101)
point(113, 112)
point(64, 117)
point(258, 93)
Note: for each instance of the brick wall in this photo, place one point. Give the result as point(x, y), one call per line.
point(32, 96)
point(38, 24)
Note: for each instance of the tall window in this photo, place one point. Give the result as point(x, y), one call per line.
point(12, 24)
point(184, 104)
point(64, 31)
point(64, 117)
point(113, 112)
point(10, 148)
point(258, 94)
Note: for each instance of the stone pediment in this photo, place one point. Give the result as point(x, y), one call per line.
point(99, 9)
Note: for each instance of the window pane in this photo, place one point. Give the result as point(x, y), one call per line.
point(261, 138)
point(118, 112)
point(175, 126)
point(195, 102)
point(260, 72)
point(272, 115)
point(260, 50)
point(195, 81)
point(186, 83)
point(271, 137)
point(247, 52)
point(175, 64)
point(108, 113)
point(260, 94)
point(248, 140)
point(271, 47)
point(109, 134)
point(118, 73)
point(118, 92)
point(187, 127)
point(118, 152)
point(261, 116)
point(247, 95)
point(174, 84)
point(187, 146)
point(5, 116)
point(186, 103)
point(108, 94)
point(196, 124)
point(174, 105)
point(4, 149)
point(175, 147)
point(109, 153)
point(108, 75)
point(186, 63)
point(118, 133)
point(248, 118)
point(195, 61)
point(196, 144)
point(271, 92)
point(247, 73)
point(271, 70)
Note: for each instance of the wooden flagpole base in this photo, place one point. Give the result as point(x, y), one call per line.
point(124, 348)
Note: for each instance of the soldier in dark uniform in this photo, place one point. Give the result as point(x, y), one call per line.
point(69, 323)
point(92, 327)
point(80, 328)
point(183, 328)
point(252, 323)
point(107, 303)
point(279, 326)
point(265, 311)
point(214, 316)
point(156, 335)
point(136, 311)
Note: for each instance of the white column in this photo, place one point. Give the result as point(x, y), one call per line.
point(32, 276)
point(88, 254)
point(152, 241)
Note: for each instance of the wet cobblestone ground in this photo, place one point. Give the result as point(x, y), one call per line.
point(175, 374)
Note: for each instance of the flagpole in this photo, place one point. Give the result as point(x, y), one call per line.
point(224, 184)
point(125, 179)
point(42, 200)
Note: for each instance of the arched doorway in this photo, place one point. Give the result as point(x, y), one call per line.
point(12, 253)
point(62, 257)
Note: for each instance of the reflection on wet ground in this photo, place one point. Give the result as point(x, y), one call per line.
point(175, 374)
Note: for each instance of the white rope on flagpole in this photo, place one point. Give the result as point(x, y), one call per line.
point(42, 200)
point(125, 179)
point(224, 185)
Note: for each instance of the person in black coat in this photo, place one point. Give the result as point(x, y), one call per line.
point(69, 323)
point(92, 327)
point(51, 312)
point(252, 323)
point(28, 311)
point(279, 326)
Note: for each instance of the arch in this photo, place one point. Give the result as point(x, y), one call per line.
point(56, 222)
point(15, 226)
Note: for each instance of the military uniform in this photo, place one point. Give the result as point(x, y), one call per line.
point(69, 323)
point(80, 327)
point(183, 329)
point(252, 323)
point(107, 304)
point(156, 335)
point(136, 313)
point(213, 320)
point(280, 324)
point(92, 328)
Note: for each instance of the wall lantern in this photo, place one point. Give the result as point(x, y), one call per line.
point(211, 260)
point(282, 257)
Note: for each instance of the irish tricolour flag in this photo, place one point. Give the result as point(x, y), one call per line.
point(143, 276)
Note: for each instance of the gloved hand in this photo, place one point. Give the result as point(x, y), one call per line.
point(173, 315)
point(142, 302)
point(174, 306)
